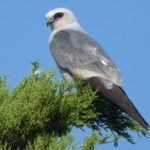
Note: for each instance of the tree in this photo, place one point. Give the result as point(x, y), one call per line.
point(40, 112)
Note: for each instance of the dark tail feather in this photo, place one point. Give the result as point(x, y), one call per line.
point(120, 98)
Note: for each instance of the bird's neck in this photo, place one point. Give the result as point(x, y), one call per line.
point(74, 26)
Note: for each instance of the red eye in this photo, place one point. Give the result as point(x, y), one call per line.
point(58, 15)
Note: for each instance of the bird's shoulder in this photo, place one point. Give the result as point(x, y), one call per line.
point(79, 39)
point(72, 47)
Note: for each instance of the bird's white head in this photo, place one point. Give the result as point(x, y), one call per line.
point(60, 18)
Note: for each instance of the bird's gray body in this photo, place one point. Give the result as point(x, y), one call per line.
point(77, 54)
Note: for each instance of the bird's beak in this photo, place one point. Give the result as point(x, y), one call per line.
point(48, 24)
point(50, 21)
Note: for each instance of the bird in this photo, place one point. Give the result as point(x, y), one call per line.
point(76, 53)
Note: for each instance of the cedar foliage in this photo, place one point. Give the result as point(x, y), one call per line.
point(40, 112)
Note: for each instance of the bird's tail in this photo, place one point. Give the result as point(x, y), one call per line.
point(120, 98)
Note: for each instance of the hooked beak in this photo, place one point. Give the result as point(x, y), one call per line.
point(49, 22)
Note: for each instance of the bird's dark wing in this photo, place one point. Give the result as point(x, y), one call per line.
point(118, 97)
point(81, 55)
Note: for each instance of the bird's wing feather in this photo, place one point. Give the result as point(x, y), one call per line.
point(119, 97)
point(81, 55)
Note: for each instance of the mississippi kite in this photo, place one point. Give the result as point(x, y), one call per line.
point(76, 53)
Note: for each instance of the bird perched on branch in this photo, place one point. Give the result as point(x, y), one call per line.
point(76, 53)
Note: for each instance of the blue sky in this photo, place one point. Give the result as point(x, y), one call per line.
point(122, 27)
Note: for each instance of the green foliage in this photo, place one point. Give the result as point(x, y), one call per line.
point(40, 112)
point(3, 90)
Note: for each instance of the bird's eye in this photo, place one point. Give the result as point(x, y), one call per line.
point(58, 15)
